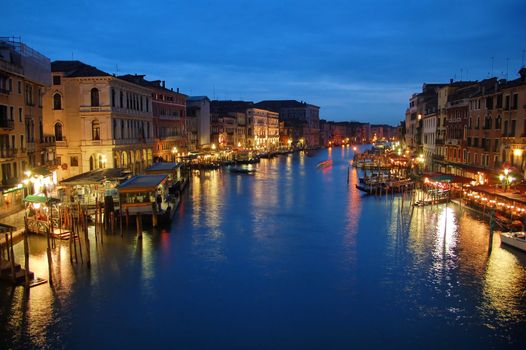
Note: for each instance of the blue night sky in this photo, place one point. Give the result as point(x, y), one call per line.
point(357, 60)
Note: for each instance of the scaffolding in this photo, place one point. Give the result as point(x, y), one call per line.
point(34, 66)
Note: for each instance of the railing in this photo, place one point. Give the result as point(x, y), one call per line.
point(95, 108)
point(11, 182)
point(53, 162)
point(7, 123)
point(5, 91)
point(8, 152)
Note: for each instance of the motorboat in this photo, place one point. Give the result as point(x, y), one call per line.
point(325, 164)
point(514, 239)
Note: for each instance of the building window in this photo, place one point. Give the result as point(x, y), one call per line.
point(95, 130)
point(112, 97)
point(74, 161)
point(57, 101)
point(94, 97)
point(56, 80)
point(58, 131)
point(19, 87)
point(121, 96)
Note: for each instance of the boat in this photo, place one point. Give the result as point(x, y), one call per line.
point(324, 164)
point(242, 170)
point(514, 239)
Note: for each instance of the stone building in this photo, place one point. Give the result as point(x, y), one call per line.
point(98, 120)
point(302, 116)
point(24, 78)
point(198, 122)
point(169, 117)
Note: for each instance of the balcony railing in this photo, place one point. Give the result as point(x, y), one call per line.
point(8, 152)
point(7, 124)
point(95, 108)
point(5, 91)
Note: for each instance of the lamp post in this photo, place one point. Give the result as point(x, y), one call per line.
point(174, 151)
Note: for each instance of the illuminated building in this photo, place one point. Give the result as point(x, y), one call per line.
point(24, 77)
point(98, 120)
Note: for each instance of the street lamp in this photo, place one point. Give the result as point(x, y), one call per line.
point(213, 146)
point(506, 178)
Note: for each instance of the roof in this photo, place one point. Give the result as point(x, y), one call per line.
point(138, 79)
point(277, 105)
point(97, 176)
point(230, 106)
point(197, 98)
point(141, 183)
point(74, 69)
point(162, 167)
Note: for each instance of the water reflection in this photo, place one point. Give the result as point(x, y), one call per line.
point(298, 252)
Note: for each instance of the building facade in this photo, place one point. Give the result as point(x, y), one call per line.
point(24, 78)
point(97, 119)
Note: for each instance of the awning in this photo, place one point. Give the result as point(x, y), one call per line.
point(32, 198)
point(141, 183)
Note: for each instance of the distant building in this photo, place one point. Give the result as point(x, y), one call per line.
point(24, 77)
point(198, 122)
point(169, 117)
point(304, 118)
point(98, 120)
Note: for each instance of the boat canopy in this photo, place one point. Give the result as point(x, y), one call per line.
point(142, 183)
point(162, 168)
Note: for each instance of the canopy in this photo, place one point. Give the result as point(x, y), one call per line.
point(141, 183)
point(33, 198)
point(162, 168)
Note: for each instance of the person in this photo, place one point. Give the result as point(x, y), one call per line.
point(159, 200)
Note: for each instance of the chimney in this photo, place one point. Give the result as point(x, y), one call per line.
point(177, 89)
point(522, 73)
point(451, 81)
point(164, 84)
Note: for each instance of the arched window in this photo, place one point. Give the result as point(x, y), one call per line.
point(94, 97)
point(58, 131)
point(57, 101)
point(120, 99)
point(95, 130)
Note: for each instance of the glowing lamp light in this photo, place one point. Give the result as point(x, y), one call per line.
point(239, 144)
point(213, 146)
point(501, 177)
point(517, 152)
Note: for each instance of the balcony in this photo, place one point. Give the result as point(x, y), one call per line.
point(92, 109)
point(8, 152)
point(5, 91)
point(7, 124)
point(11, 182)
point(52, 163)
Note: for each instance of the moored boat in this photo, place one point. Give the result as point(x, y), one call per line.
point(514, 239)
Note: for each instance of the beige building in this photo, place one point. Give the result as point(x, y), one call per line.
point(24, 76)
point(262, 129)
point(98, 120)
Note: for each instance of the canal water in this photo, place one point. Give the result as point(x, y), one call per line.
point(290, 257)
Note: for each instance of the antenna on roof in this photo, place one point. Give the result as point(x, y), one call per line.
point(507, 61)
point(117, 68)
point(492, 61)
point(72, 56)
point(523, 58)
point(461, 71)
point(214, 91)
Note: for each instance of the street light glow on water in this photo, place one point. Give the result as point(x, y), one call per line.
point(292, 256)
